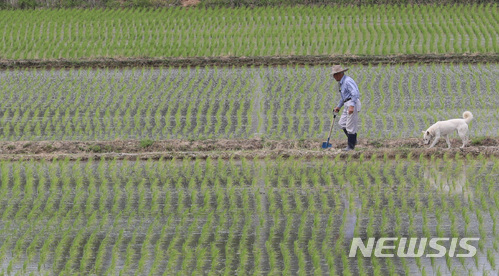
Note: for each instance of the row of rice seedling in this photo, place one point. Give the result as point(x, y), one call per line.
point(261, 31)
point(245, 217)
point(103, 104)
point(283, 102)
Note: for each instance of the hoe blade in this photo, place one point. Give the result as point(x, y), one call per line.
point(326, 145)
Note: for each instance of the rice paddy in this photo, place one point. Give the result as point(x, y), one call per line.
point(196, 103)
point(263, 31)
point(284, 216)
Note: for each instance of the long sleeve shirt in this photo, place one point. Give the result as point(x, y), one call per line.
point(348, 89)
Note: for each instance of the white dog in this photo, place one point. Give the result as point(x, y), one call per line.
point(444, 128)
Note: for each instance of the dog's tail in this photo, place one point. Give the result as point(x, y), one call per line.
point(467, 117)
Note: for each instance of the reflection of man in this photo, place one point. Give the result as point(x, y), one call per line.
point(350, 97)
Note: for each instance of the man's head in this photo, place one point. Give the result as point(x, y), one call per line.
point(338, 76)
point(338, 72)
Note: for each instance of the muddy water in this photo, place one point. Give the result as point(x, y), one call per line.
point(288, 102)
point(291, 206)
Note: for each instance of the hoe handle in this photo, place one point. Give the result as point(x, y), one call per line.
point(331, 129)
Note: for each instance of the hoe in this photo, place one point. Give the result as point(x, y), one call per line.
point(326, 145)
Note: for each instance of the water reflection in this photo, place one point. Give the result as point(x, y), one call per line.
point(350, 217)
point(453, 183)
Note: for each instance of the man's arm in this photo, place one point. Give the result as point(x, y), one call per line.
point(354, 91)
point(340, 103)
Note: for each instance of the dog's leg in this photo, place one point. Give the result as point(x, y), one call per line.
point(447, 140)
point(437, 137)
point(464, 138)
point(463, 134)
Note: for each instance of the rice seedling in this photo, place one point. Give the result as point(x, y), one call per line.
point(252, 221)
point(182, 105)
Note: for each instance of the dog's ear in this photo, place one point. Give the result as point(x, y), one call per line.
point(427, 133)
point(423, 131)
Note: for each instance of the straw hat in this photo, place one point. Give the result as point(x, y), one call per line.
point(338, 69)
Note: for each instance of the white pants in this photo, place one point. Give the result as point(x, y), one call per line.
point(350, 121)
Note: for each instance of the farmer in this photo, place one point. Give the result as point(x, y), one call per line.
point(350, 97)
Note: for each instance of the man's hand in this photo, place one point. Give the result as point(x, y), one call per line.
point(336, 109)
point(350, 109)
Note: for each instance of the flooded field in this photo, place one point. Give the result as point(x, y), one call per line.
point(271, 102)
point(244, 217)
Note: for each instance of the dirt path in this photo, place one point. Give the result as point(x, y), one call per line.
point(248, 61)
point(237, 149)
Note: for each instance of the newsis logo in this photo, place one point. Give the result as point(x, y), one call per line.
point(388, 247)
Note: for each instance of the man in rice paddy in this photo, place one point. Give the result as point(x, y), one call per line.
point(350, 98)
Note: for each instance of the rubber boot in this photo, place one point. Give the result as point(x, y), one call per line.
point(346, 133)
point(349, 146)
point(351, 142)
